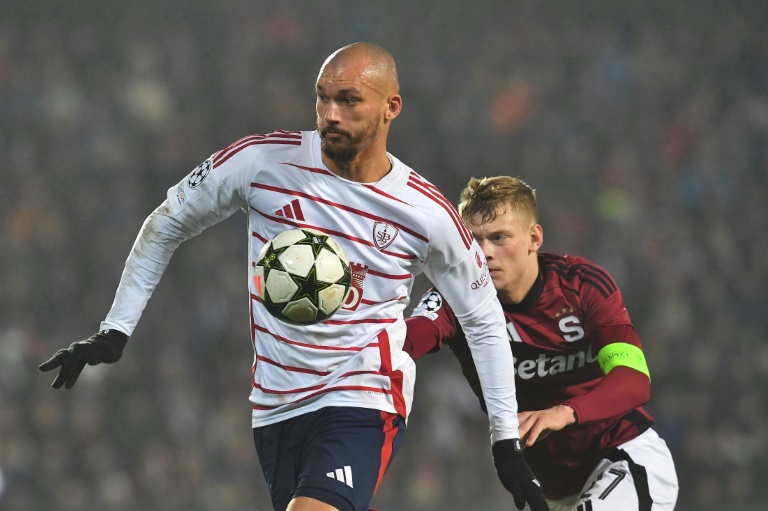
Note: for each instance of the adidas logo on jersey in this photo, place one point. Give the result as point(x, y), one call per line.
point(343, 475)
point(292, 211)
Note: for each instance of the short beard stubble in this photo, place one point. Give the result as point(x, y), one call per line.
point(345, 150)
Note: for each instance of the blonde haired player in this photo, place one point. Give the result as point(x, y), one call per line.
point(579, 366)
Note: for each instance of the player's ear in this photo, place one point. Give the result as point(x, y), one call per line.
point(536, 237)
point(394, 106)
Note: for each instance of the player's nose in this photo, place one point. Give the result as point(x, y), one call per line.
point(332, 112)
point(486, 248)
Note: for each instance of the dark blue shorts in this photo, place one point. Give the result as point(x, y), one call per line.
point(336, 455)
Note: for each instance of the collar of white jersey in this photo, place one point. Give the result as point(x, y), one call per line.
point(382, 184)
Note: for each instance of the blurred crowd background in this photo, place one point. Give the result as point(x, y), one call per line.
point(643, 127)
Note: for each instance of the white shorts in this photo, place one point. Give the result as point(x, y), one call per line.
point(638, 476)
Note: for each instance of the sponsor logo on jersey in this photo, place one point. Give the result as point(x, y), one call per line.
point(355, 293)
point(200, 173)
point(545, 365)
point(478, 260)
point(180, 195)
point(485, 277)
point(429, 305)
point(384, 234)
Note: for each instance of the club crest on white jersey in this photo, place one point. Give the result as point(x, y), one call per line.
point(384, 234)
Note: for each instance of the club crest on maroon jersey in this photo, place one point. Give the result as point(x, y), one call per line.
point(384, 234)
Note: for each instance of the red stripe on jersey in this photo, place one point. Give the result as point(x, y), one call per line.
point(253, 343)
point(292, 391)
point(358, 321)
point(310, 346)
point(260, 142)
point(390, 432)
point(403, 276)
point(389, 276)
point(433, 193)
point(333, 233)
point(395, 377)
point(371, 302)
point(259, 237)
point(311, 169)
point(293, 368)
point(341, 207)
point(383, 193)
point(329, 173)
point(217, 156)
point(236, 146)
point(360, 388)
point(299, 390)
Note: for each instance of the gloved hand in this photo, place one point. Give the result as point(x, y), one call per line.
point(516, 476)
point(105, 346)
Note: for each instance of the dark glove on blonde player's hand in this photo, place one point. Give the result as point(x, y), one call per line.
point(516, 476)
point(104, 347)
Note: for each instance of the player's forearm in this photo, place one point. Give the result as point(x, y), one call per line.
point(487, 339)
point(158, 238)
point(622, 390)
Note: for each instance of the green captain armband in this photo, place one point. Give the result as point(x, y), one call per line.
point(622, 354)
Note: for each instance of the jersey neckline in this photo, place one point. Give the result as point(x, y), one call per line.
point(381, 184)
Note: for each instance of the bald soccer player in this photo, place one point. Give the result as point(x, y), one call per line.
point(330, 401)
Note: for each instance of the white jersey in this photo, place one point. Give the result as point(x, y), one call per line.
point(392, 231)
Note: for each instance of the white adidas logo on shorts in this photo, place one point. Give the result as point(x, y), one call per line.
point(342, 474)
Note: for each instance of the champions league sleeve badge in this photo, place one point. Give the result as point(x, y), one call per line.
point(429, 305)
point(200, 173)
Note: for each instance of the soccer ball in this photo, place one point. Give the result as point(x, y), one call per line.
point(302, 276)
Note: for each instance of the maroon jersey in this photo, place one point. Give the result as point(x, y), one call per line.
point(573, 310)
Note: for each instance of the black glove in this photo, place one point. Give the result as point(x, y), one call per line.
point(516, 476)
point(103, 347)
